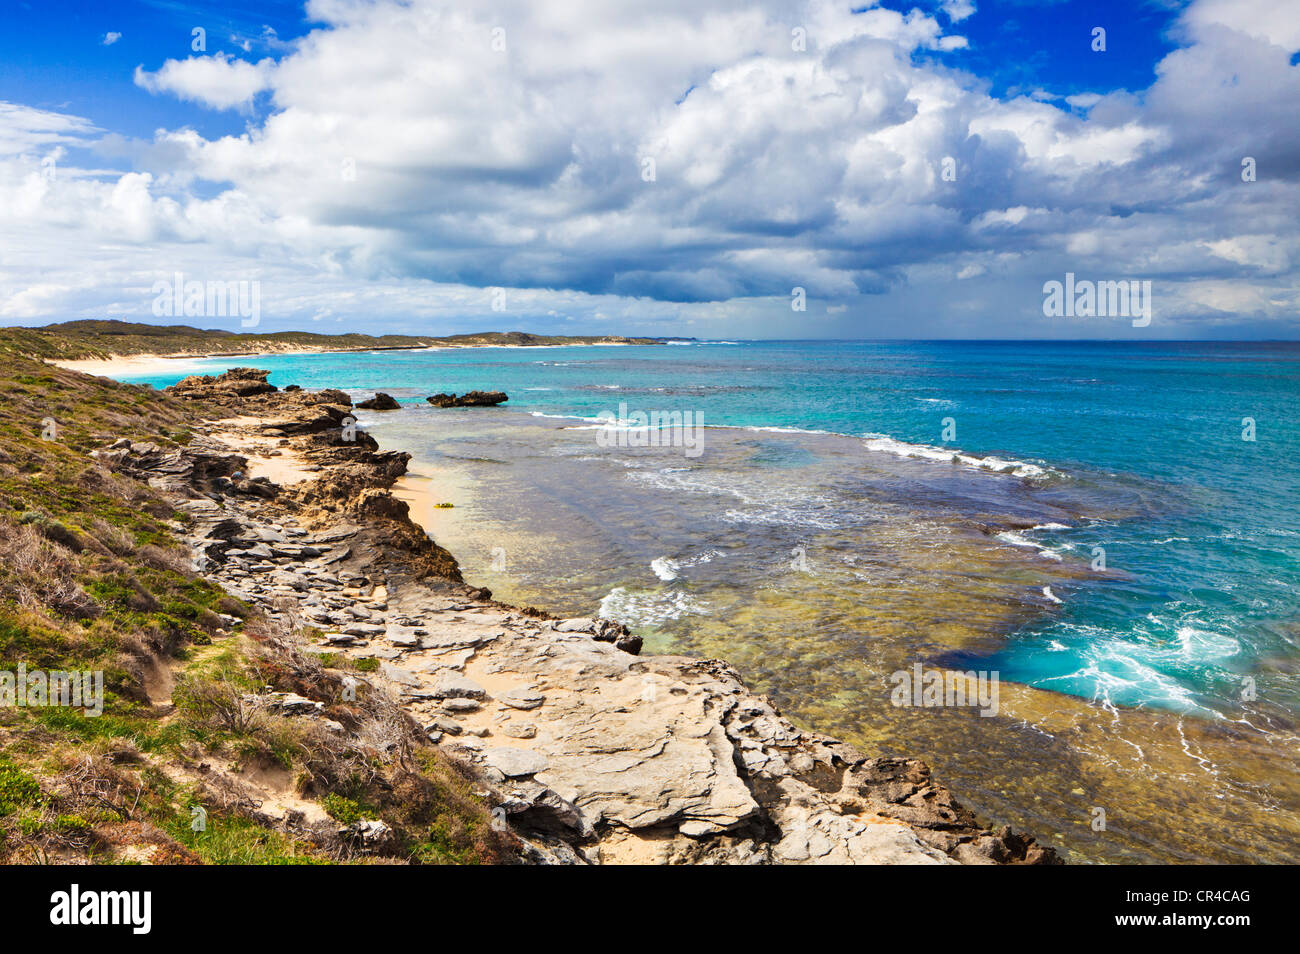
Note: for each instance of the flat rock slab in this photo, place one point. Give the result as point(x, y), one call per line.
point(364, 629)
point(521, 698)
point(514, 763)
point(402, 636)
point(402, 676)
point(452, 685)
point(452, 660)
point(334, 556)
point(461, 705)
point(458, 638)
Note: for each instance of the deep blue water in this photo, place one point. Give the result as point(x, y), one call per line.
point(1200, 528)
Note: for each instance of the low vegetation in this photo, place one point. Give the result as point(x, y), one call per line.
point(190, 761)
point(74, 340)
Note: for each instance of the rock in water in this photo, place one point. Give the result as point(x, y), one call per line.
point(469, 399)
point(380, 402)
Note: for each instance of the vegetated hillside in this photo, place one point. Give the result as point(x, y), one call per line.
point(92, 577)
point(74, 340)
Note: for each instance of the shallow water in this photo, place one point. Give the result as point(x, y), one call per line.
point(827, 541)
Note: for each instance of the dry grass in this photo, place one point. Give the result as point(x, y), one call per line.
point(40, 573)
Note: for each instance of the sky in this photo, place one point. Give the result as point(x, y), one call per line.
point(710, 168)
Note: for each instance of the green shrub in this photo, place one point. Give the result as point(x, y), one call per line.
point(347, 810)
point(17, 789)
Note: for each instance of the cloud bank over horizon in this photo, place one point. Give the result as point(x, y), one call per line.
point(673, 168)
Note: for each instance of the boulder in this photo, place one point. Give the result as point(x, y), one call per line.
point(380, 402)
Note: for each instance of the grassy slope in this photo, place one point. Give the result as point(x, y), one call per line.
point(91, 578)
point(101, 339)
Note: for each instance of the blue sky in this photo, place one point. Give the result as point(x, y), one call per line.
point(667, 168)
point(53, 56)
point(1020, 47)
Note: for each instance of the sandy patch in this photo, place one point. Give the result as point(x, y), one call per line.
point(423, 490)
point(266, 458)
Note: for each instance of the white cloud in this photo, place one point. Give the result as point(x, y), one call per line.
point(218, 81)
point(1268, 20)
point(957, 10)
point(110, 38)
point(404, 165)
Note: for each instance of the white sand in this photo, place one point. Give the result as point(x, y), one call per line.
point(120, 366)
point(284, 467)
point(131, 365)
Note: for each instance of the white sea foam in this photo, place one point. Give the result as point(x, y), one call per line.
point(1047, 591)
point(559, 417)
point(1117, 675)
point(1201, 644)
point(649, 609)
point(665, 569)
point(793, 516)
point(891, 445)
point(784, 430)
point(668, 569)
point(1016, 540)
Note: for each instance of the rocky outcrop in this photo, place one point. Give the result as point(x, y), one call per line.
point(469, 399)
point(380, 402)
point(592, 753)
point(235, 383)
point(308, 419)
point(668, 759)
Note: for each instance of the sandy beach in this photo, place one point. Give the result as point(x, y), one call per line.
point(126, 366)
point(121, 366)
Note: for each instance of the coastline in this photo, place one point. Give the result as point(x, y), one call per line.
point(119, 366)
point(600, 755)
point(545, 520)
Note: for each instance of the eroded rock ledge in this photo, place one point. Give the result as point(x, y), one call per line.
point(592, 753)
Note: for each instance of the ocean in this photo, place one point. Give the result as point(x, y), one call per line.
point(1113, 529)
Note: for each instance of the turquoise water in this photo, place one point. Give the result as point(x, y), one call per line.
point(1200, 529)
point(826, 538)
